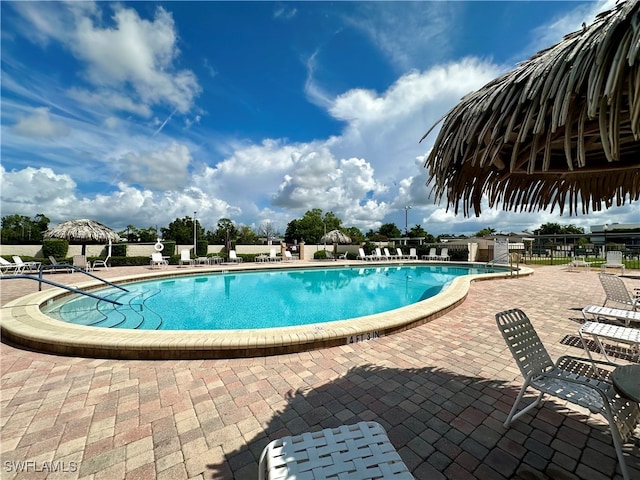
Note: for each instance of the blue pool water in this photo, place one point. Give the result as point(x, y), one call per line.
point(259, 299)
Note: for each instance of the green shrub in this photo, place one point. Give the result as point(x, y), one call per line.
point(169, 247)
point(201, 248)
point(320, 255)
point(459, 254)
point(56, 247)
point(129, 261)
point(119, 250)
point(369, 248)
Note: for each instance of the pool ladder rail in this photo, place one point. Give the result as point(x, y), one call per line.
point(41, 280)
point(116, 302)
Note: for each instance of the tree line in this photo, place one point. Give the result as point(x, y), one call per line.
point(310, 228)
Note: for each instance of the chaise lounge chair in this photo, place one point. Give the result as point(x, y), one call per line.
point(359, 451)
point(103, 262)
point(273, 256)
point(55, 265)
point(185, 257)
point(613, 260)
point(571, 379)
point(616, 291)
point(157, 260)
point(362, 255)
point(377, 255)
point(8, 267)
point(444, 255)
point(233, 257)
point(431, 255)
point(387, 255)
point(81, 262)
point(31, 266)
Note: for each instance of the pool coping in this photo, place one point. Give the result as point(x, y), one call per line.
point(23, 322)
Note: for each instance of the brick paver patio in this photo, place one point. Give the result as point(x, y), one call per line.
point(441, 390)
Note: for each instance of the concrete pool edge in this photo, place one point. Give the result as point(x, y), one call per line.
point(23, 323)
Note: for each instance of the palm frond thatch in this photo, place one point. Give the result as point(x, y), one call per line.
point(561, 128)
point(83, 231)
point(335, 236)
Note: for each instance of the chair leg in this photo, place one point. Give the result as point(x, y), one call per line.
point(513, 415)
point(617, 444)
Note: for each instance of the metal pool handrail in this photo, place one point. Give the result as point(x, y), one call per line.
point(40, 280)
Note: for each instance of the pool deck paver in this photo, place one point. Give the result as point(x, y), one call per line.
point(441, 390)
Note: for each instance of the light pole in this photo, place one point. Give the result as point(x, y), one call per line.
point(605, 227)
point(194, 234)
point(406, 220)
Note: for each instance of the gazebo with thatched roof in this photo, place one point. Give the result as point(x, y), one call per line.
point(83, 231)
point(561, 128)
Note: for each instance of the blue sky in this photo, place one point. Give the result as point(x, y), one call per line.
point(137, 113)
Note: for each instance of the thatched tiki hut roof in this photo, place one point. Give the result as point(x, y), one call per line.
point(83, 231)
point(563, 127)
point(335, 236)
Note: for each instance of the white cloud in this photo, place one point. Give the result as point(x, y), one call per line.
point(165, 169)
point(110, 100)
point(409, 34)
point(284, 13)
point(35, 186)
point(385, 128)
point(40, 125)
point(133, 55)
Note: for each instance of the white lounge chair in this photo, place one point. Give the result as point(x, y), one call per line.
point(273, 256)
point(578, 262)
point(81, 262)
point(185, 257)
point(55, 265)
point(287, 256)
point(387, 254)
point(157, 260)
point(377, 255)
point(413, 255)
point(613, 260)
point(616, 291)
point(444, 255)
point(348, 451)
point(31, 266)
point(8, 267)
point(105, 261)
point(614, 314)
point(233, 257)
point(611, 333)
point(399, 254)
point(571, 379)
point(431, 255)
point(362, 255)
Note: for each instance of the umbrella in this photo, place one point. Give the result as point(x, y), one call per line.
point(335, 236)
point(562, 127)
point(83, 231)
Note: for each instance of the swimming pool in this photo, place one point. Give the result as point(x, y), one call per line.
point(25, 321)
point(259, 299)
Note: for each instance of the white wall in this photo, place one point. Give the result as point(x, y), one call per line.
point(146, 249)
